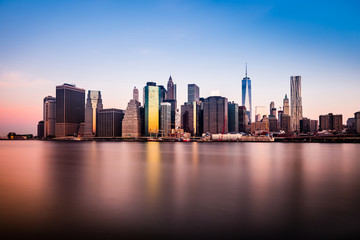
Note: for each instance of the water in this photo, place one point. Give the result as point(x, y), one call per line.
point(180, 189)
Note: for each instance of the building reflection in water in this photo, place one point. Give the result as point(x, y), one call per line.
point(153, 172)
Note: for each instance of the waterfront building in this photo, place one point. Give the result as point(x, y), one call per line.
point(260, 127)
point(49, 116)
point(273, 124)
point(260, 111)
point(177, 119)
point(109, 122)
point(40, 130)
point(246, 95)
point(357, 122)
point(296, 102)
point(286, 106)
point(173, 104)
point(191, 118)
point(233, 117)
point(171, 90)
point(93, 104)
point(313, 126)
point(243, 119)
point(152, 100)
point(193, 93)
point(132, 122)
point(165, 117)
point(136, 94)
point(70, 110)
point(215, 114)
point(273, 113)
point(331, 122)
point(286, 123)
point(305, 125)
point(350, 124)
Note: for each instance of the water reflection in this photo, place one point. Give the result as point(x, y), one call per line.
point(187, 189)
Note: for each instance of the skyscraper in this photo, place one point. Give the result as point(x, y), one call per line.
point(70, 110)
point(136, 94)
point(49, 116)
point(132, 124)
point(215, 115)
point(93, 104)
point(296, 102)
point(40, 130)
point(165, 117)
point(152, 99)
point(246, 95)
point(191, 120)
point(109, 122)
point(286, 106)
point(193, 93)
point(357, 122)
point(331, 122)
point(243, 122)
point(171, 90)
point(233, 117)
point(272, 105)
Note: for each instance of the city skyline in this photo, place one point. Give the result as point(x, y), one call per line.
point(209, 50)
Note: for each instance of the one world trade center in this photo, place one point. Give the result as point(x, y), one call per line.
point(246, 95)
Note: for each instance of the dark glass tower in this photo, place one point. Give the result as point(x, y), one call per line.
point(246, 95)
point(215, 115)
point(70, 110)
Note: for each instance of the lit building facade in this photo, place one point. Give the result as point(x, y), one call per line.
point(191, 118)
point(152, 100)
point(93, 104)
point(49, 112)
point(296, 103)
point(286, 106)
point(70, 110)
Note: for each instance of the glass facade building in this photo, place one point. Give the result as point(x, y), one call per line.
point(109, 122)
point(193, 93)
point(49, 118)
point(215, 115)
point(246, 95)
point(165, 114)
point(70, 110)
point(152, 100)
point(233, 119)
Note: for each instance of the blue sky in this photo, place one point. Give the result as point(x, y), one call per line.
point(113, 46)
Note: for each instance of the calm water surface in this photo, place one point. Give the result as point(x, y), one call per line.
point(180, 189)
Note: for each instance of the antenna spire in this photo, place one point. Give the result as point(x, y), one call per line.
point(246, 70)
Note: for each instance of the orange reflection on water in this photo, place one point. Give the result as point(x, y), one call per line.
point(153, 171)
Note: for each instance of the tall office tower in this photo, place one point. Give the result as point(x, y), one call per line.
point(70, 110)
point(165, 117)
point(286, 123)
point(272, 105)
point(273, 124)
point(280, 113)
point(191, 119)
point(193, 93)
point(357, 122)
point(93, 104)
point(109, 122)
point(331, 122)
point(171, 90)
point(163, 93)
point(177, 119)
point(296, 103)
point(313, 125)
point(260, 111)
point(273, 113)
point(286, 105)
point(305, 125)
point(136, 94)
point(132, 124)
point(215, 115)
point(246, 95)
point(173, 104)
point(233, 117)
point(40, 130)
point(152, 100)
point(242, 119)
point(49, 116)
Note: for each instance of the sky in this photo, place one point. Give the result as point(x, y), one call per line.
point(113, 46)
